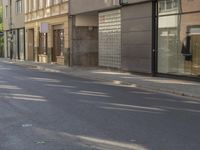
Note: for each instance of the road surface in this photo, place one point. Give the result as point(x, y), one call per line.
point(53, 111)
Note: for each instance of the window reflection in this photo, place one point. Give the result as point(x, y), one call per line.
point(165, 6)
point(177, 6)
point(178, 38)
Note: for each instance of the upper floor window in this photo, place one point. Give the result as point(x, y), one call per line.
point(49, 3)
point(18, 6)
point(57, 2)
point(168, 5)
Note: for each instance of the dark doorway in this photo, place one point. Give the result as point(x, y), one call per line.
point(43, 43)
point(58, 44)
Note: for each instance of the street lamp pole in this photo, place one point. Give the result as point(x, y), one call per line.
point(11, 32)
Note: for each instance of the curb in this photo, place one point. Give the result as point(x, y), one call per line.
point(123, 83)
point(113, 82)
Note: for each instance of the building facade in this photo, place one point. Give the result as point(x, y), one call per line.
point(158, 37)
point(47, 33)
point(14, 32)
point(122, 32)
point(85, 28)
point(145, 36)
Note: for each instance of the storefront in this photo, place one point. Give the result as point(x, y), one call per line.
point(178, 37)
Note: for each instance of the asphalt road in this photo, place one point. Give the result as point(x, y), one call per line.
point(52, 111)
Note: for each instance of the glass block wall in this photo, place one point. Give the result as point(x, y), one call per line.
point(110, 39)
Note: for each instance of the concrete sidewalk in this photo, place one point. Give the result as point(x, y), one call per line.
point(173, 86)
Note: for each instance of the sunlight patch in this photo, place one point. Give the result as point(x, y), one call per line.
point(90, 93)
point(9, 87)
point(113, 144)
point(46, 80)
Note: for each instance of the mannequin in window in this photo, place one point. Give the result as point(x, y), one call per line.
point(186, 49)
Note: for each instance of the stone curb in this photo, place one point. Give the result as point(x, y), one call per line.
point(114, 82)
point(123, 83)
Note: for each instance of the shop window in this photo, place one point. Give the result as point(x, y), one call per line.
point(179, 44)
point(21, 44)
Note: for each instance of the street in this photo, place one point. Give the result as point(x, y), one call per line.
point(53, 111)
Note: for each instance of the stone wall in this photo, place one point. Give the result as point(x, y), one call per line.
point(85, 46)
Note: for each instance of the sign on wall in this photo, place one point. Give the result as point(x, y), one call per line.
point(44, 27)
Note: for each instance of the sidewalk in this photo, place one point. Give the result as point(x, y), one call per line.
point(173, 86)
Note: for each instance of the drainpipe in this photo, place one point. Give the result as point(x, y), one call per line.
point(154, 37)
